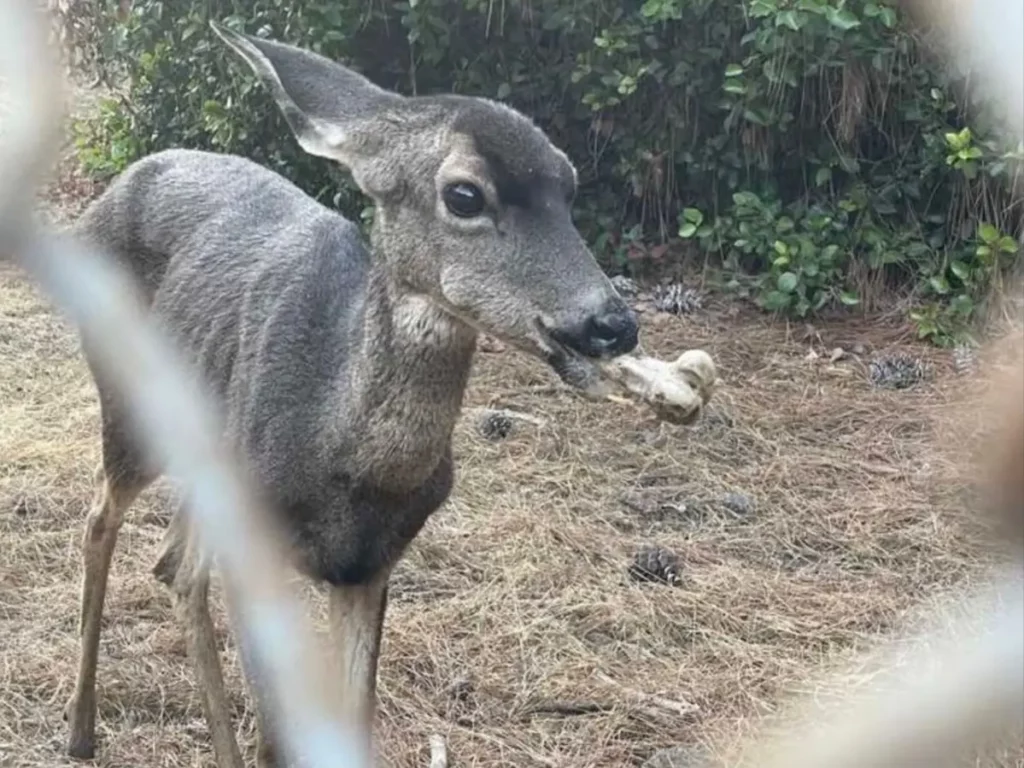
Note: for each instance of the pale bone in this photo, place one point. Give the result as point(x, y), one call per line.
point(676, 391)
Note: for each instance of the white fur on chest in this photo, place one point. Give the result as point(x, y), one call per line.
point(421, 323)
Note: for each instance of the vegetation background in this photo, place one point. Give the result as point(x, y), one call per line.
point(812, 155)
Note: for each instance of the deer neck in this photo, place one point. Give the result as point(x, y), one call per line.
point(405, 384)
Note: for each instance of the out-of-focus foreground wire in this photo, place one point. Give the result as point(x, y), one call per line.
point(964, 688)
point(173, 417)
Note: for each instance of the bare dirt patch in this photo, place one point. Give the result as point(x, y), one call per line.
point(808, 513)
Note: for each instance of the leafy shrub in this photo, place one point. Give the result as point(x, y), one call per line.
point(812, 149)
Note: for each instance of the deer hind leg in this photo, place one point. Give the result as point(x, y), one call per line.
point(185, 568)
point(119, 484)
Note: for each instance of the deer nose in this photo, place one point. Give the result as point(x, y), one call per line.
point(610, 332)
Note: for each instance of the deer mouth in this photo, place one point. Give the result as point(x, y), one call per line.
point(570, 366)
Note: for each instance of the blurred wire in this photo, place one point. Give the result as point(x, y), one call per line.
point(173, 417)
point(964, 687)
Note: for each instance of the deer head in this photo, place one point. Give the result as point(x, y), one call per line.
point(473, 205)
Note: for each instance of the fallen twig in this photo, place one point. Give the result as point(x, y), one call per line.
point(506, 745)
point(438, 751)
point(565, 708)
point(681, 708)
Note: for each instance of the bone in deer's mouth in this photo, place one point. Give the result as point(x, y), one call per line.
point(676, 391)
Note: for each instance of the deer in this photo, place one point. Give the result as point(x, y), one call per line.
point(340, 365)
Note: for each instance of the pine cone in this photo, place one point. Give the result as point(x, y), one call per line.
point(655, 564)
point(965, 359)
point(898, 372)
point(677, 299)
point(495, 426)
point(738, 504)
point(626, 286)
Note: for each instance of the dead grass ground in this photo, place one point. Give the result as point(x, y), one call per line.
point(514, 629)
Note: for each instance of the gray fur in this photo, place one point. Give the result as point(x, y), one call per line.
point(341, 373)
point(340, 370)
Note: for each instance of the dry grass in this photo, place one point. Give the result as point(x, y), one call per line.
point(513, 627)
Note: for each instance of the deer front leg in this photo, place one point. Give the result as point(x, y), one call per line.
point(266, 740)
point(191, 586)
point(356, 615)
point(356, 618)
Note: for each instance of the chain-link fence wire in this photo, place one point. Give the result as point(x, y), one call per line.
point(963, 689)
point(171, 413)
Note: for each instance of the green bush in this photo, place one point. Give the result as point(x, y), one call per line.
point(811, 149)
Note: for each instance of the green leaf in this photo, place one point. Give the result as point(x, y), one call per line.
point(693, 215)
point(780, 262)
point(503, 91)
point(731, 86)
point(689, 229)
point(753, 116)
point(962, 305)
point(939, 285)
point(733, 70)
point(788, 19)
point(988, 233)
point(849, 298)
point(787, 282)
point(1007, 244)
point(823, 176)
point(843, 19)
point(774, 301)
point(780, 248)
point(998, 168)
point(961, 270)
point(954, 141)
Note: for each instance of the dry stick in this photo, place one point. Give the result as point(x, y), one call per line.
point(565, 708)
point(482, 736)
point(534, 391)
point(682, 708)
point(438, 751)
point(578, 708)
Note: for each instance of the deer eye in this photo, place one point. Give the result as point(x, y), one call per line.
point(463, 199)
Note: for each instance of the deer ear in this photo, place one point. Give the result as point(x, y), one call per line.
point(334, 112)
